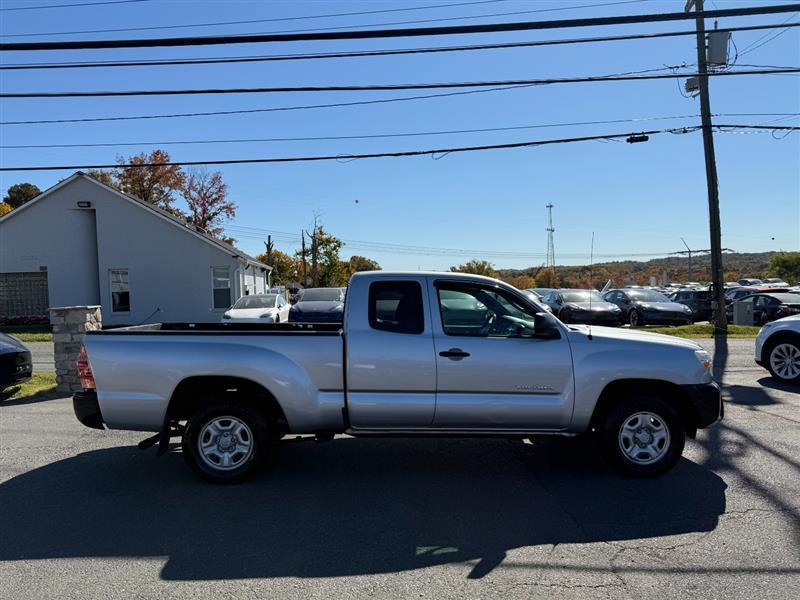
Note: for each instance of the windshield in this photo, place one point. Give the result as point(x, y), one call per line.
point(647, 296)
point(581, 296)
point(266, 301)
point(321, 295)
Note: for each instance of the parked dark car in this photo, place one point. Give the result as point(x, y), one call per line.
point(646, 307)
point(750, 281)
point(574, 306)
point(318, 305)
point(769, 306)
point(699, 301)
point(745, 291)
point(15, 361)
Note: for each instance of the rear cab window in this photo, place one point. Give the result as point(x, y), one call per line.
point(396, 306)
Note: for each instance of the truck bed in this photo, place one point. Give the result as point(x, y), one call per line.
point(230, 328)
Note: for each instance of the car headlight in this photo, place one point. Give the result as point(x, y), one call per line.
point(704, 358)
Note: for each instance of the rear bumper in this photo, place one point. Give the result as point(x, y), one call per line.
point(707, 401)
point(87, 409)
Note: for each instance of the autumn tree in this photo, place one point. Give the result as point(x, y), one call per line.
point(207, 197)
point(546, 278)
point(5, 208)
point(156, 183)
point(521, 282)
point(476, 267)
point(285, 268)
point(104, 177)
point(21, 193)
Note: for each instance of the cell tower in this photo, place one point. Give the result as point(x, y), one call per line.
point(551, 251)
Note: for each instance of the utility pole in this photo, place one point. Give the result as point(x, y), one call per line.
point(689, 252)
point(303, 254)
point(269, 246)
point(721, 322)
point(314, 249)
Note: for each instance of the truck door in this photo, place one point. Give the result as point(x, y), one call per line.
point(391, 369)
point(500, 364)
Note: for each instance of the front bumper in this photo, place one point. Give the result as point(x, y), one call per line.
point(707, 401)
point(87, 409)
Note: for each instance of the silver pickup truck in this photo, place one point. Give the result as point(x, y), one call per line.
point(420, 354)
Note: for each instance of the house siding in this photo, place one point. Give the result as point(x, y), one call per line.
point(169, 269)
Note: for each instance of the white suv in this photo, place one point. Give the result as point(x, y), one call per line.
point(778, 349)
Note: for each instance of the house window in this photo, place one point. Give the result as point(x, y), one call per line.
point(120, 291)
point(221, 282)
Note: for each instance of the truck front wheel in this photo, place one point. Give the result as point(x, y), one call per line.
point(225, 442)
point(642, 436)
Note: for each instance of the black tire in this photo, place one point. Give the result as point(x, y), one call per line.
point(781, 345)
point(277, 318)
point(256, 429)
point(624, 412)
point(635, 319)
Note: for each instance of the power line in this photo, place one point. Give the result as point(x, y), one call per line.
point(395, 33)
point(433, 152)
point(385, 135)
point(758, 43)
point(14, 8)
point(392, 87)
point(262, 110)
point(340, 157)
point(366, 53)
point(349, 14)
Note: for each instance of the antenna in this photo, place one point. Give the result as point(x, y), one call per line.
point(591, 285)
point(550, 263)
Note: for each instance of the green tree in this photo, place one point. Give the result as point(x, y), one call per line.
point(155, 183)
point(785, 265)
point(21, 193)
point(330, 270)
point(476, 267)
point(356, 264)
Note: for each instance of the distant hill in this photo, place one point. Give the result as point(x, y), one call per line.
point(736, 265)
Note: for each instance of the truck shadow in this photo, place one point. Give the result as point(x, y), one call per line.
point(347, 507)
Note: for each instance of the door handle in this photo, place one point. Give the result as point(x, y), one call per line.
point(454, 353)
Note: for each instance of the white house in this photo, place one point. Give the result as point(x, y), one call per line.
point(84, 243)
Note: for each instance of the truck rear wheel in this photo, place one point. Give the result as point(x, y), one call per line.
point(642, 436)
point(225, 442)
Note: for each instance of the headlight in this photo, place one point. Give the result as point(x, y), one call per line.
point(704, 358)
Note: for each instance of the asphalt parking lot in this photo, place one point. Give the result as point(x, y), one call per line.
point(84, 514)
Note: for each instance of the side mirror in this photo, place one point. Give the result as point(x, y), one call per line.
point(545, 327)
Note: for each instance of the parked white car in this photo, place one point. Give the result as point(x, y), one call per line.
point(261, 308)
point(778, 349)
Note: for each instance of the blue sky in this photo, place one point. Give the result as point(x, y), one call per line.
point(638, 199)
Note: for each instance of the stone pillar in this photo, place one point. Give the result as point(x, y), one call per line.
point(70, 324)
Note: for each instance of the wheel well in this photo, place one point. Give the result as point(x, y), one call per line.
point(195, 392)
point(781, 336)
point(671, 393)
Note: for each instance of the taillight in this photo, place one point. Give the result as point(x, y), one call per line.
point(85, 370)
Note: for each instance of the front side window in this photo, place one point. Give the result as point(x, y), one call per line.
point(221, 284)
point(120, 291)
point(484, 311)
point(396, 306)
